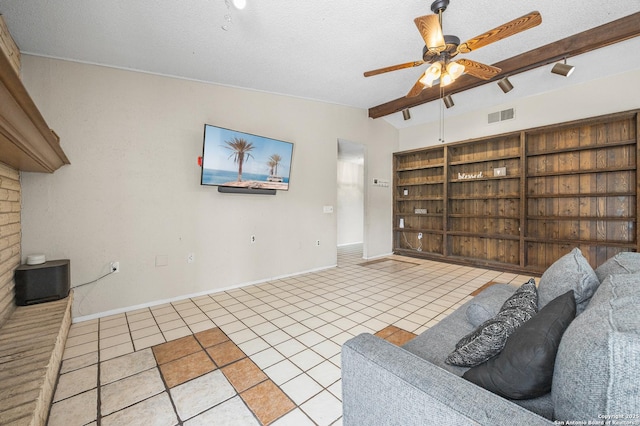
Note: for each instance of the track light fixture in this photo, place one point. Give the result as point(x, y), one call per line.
point(505, 85)
point(406, 114)
point(563, 68)
point(448, 101)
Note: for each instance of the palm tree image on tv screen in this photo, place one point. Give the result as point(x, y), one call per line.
point(242, 160)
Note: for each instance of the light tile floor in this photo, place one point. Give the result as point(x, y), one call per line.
point(263, 354)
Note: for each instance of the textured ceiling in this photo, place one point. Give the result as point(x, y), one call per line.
point(309, 49)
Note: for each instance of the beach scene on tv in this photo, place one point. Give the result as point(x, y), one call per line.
point(238, 159)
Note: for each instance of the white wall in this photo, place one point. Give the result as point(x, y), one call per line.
point(588, 99)
point(350, 212)
point(132, 190)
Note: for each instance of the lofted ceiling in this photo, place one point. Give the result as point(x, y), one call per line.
point(315, 49)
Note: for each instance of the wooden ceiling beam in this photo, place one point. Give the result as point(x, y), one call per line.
point(586, 41)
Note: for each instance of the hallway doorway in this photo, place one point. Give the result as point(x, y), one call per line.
point(350, 193)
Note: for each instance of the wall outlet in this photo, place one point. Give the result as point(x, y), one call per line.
point(317, 242)
point(500, 171)
point(115, 267)
point(252, 239)
point(191, 257)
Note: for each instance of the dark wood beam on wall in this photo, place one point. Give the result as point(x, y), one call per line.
point(586, 41)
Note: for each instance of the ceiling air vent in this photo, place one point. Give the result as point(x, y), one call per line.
point(507, 114)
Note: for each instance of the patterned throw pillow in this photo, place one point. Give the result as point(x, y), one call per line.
point(489, 339)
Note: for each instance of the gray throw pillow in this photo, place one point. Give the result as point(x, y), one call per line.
point(570, 272)
point(489, 339)
point(625, 262)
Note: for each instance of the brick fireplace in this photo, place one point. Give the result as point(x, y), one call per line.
point(10, 234)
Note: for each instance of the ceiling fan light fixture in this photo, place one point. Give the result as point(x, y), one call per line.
point(563, 69)
point(426, 79)
point(455, 70)
point(448, 101)
point(446, 79)
point(505, 85)
point(431, 74)
point(406, 114)
point(240, 4)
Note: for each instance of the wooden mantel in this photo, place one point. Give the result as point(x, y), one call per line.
point(26, 142)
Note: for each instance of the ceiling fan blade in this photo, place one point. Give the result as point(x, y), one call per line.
point(503, 31)
point(416, 89)
point(479, 70)
point(393, 68)
point(431, 31)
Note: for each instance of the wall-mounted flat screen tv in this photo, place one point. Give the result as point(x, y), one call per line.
point(241, 160)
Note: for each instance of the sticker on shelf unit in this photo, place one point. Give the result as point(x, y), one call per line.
point(477, 175)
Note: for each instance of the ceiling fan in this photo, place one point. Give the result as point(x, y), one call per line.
point(439, 49)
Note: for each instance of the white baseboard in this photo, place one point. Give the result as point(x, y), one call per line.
point(189, 296)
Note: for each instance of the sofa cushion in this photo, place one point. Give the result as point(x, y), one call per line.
point(598, 360)
point(570, 272)
point(625, 262)
point(478, 313)
point(490, 337)
point(524, 368)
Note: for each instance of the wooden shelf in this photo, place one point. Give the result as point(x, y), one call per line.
point(583, 195)
point(583, 171)
point(26, 142)
point(481, 235)
point(420, 214)
point(587, 218)
point(414, 252)
point(419, 199)
point(488, 221)
point(430, 182)
point(574, 243)
point(582, 148)
point(414, 168)
point(482, 216)
point(423, 230)
point(485, 160)
point(484, 179)
point(484, 197)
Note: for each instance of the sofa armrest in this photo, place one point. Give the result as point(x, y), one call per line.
point(383, 384)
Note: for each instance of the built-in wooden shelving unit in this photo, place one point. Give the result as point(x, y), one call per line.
point(521, 200)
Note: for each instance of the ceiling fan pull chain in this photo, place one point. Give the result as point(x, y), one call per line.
point(441, 113)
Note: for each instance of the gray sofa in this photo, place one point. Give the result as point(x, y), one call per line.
point(596, 370)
